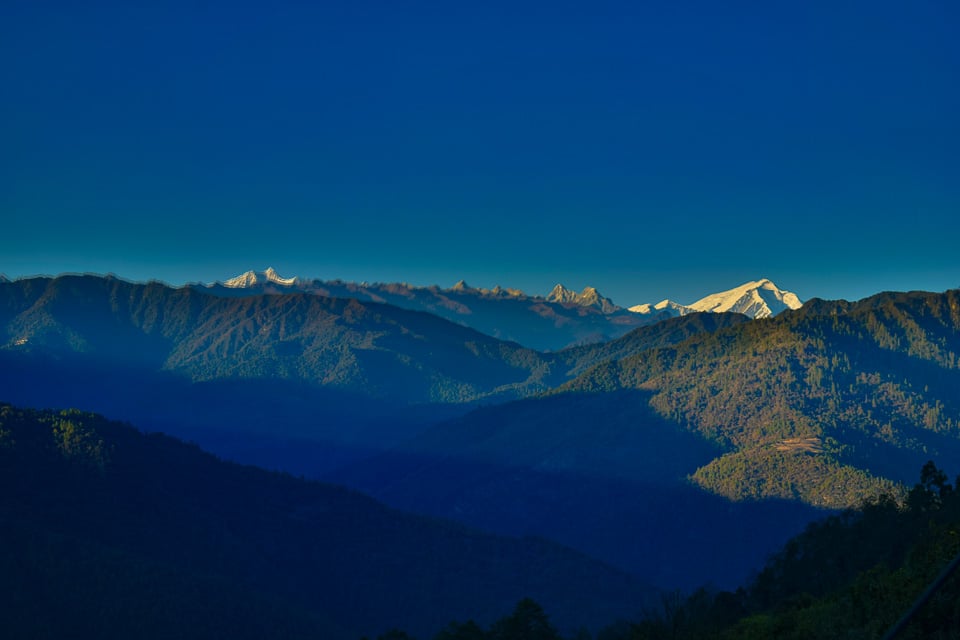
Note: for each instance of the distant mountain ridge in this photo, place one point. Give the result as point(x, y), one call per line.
point(546, 323)
point(560, 319)
point(589, 297)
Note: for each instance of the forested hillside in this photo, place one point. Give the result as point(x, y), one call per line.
point(126, 535)
point(884, 568)
point(670, 331)
point(819, 404)
point(374, 349)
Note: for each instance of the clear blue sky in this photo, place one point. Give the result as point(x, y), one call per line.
point(650, 149)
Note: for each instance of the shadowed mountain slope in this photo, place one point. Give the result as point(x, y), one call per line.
point(600, 472)
point(98, 510)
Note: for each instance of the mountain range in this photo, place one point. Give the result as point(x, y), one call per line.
point(700, 422)
point(560, 319)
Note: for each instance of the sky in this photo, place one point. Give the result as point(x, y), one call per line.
point(651, 149)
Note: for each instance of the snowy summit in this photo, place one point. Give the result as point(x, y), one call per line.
point(759, 299)
point(251, 278)
point(668, 306)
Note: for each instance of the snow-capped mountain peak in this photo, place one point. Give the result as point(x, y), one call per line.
point(247, 279)
point(669, 306)
point(560, 293)
point(252, 278)
point(589, 297)
point(758, 299)
point(461, 286)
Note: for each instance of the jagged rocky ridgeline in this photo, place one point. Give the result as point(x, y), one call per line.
point(560, 319)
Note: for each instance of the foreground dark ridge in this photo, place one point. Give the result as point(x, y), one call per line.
point(139, 530)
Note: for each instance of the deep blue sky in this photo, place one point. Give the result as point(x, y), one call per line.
point(651, 149)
